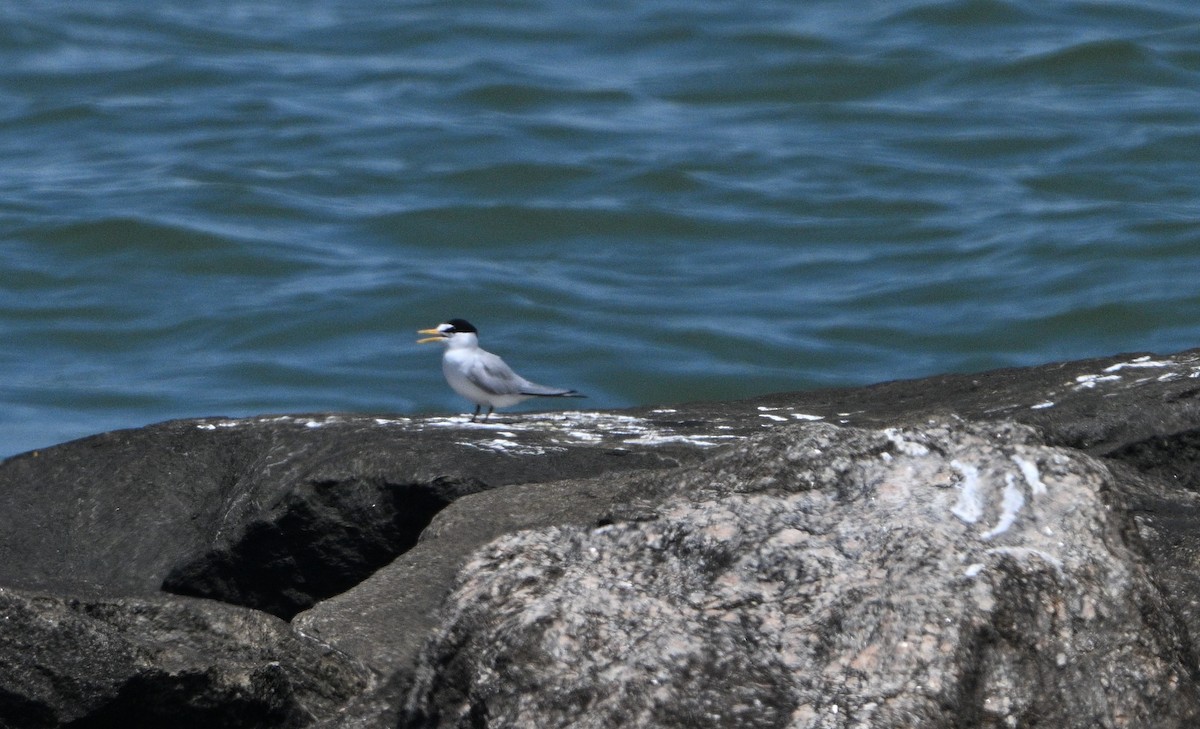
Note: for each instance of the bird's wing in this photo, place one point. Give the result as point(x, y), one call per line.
point(490, 374)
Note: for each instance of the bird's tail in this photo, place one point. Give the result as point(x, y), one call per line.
point(539, 391)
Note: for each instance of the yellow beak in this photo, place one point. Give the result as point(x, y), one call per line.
point(436, 338)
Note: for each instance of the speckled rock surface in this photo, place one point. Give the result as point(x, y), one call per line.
point(942, 576)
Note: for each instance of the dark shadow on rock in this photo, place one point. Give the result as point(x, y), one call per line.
point(190, 701)
point(1160, 488)
point(1172, 457)
point(318, 542)
point(169, 662)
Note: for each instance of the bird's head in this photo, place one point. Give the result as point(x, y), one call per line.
point(455, 331)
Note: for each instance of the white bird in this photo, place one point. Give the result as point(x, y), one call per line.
point(480, 376)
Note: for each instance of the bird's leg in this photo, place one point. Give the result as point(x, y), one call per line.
point(476, 414)
point(489, 413)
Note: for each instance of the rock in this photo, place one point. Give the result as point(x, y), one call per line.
point(1095, 405)
point(162, 662)
point(357, 527)
point(385, 620)
point(943, 576)
point(1100, 405)
point(273, 513)
point(280, 512)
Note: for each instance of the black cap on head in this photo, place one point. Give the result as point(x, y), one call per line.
point(462, 325)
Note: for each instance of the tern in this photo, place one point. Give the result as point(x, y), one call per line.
point(480, 376)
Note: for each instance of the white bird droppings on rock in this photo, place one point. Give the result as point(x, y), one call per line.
point(1010, 505)
point(1033, 477)
point(1139, 362)
point(970, 504)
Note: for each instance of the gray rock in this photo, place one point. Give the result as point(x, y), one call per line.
point(326, 514)
point(162, 662)
point(1106, 406)
point(943, 576)
point(273, 513)
point(280, 512)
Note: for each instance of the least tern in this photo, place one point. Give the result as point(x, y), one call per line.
point(480, 376)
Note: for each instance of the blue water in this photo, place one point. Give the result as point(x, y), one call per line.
point(232, 208)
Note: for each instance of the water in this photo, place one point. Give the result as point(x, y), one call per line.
point(235, 207)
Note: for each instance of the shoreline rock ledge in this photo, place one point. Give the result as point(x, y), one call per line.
point(1001, 549)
